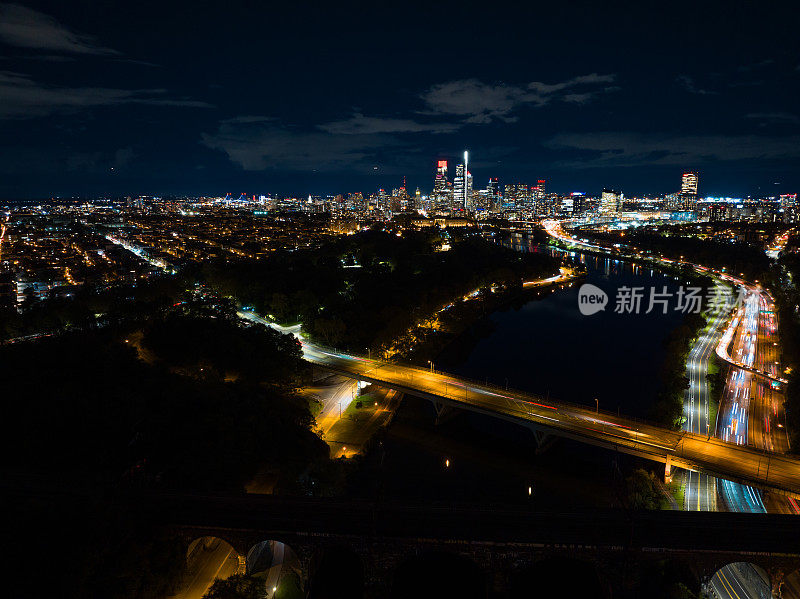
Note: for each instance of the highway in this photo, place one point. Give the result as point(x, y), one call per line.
point(753, 327)
point(740, 580)
point(751, 412)
point(758, 306)
point(700, 492)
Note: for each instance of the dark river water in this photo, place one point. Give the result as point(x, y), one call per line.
point(548, 347)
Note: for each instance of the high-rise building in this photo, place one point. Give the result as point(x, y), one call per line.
point(539, 191)
point(788, 206)
point(520, 196)
point(609, 201)
point(467, 195)
point(462, 187)
point(572, 205)
point(441, 191)
point(524, 196)
point(510, 195)
point(458, 186)
point(493, 187)
point(539, 198)
point(688, 195)
point(689, 183)
point(462, 193)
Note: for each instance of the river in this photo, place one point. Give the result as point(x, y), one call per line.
point(548, 347)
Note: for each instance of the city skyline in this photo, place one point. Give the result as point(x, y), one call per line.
point(443, 169)
point(96, 104)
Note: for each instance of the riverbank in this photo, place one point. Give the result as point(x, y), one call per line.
point(447, 338)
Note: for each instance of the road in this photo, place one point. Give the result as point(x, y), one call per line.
point(740, 581)
point(757, 307)
point(336, 395)
point(700, 492)
point(208, 559)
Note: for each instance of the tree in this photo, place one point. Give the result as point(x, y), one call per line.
point(641, 491)
point(237, 587)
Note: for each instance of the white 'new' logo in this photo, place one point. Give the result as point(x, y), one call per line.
point(591, 299)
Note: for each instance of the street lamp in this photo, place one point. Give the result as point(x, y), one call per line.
point(596, 406)
point(431, 363)
point(369, 353)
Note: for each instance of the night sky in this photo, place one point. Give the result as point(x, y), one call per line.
point(208, 98)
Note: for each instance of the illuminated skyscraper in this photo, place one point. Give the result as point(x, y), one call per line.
point(458, 185)
point(462, 188)
point(689, 183)
point(688, 196)
point(519, 195)
point(467, 183)
point(539, 196)
point(609, 201)
point(441, 193)
point(493, 192)
point(539, 191)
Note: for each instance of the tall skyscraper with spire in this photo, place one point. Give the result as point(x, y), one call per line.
point(462, 186)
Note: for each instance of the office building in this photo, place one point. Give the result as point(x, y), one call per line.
point(609, 201)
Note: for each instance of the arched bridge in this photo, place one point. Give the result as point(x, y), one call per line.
point(501, 539)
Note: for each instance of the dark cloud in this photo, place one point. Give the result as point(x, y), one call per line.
point(483, 103)
point(756, 65)
point(580, 98)
point(547, 89)
point(259, 143)
point(779, 118)
point(21, 97)
point(26, 28)
point(123, 157)
point(690, 86)
point(359, 124)
point(634, 149)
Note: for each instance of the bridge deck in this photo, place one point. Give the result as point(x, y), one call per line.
point(685, 450)
point(283, 517)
